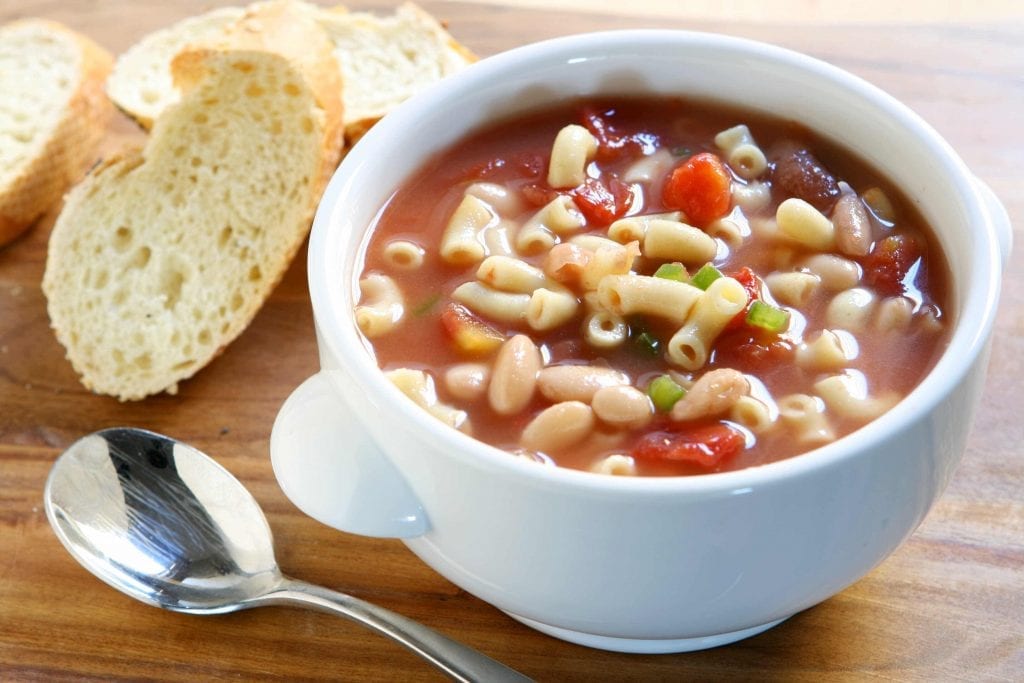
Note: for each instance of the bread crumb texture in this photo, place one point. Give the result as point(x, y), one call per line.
point(162, 256)
point(52, 115)
point(383, 60)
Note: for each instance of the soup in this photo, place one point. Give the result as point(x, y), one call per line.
point(652, 287)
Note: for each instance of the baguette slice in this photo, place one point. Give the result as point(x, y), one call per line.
point(141, 83)
point(163, 256)
point(383, 61)
point(386, 60)
point(52, 116)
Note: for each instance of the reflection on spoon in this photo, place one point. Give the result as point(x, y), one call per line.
point(165, 524)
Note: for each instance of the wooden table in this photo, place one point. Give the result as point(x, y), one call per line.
point(948, 605)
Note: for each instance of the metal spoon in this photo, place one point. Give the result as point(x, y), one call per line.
point(164, 523)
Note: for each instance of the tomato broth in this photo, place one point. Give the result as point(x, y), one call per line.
point(845, 281)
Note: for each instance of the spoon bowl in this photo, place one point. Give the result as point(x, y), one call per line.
point(164, 523)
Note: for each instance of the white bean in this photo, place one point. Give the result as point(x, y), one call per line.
point(714, 393)
point(467, 381)
point(576, 382)
point(514, 376)
point(559, 426)
point(625, 407)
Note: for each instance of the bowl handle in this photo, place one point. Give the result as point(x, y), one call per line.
point(328, 465)
point(999, 219)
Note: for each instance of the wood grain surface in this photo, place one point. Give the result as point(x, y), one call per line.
point(948, 605)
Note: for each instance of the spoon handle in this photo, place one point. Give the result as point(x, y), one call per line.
point(455, 659)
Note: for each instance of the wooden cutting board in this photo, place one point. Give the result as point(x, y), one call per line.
point(948, 605)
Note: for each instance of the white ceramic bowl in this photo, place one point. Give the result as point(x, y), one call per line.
point(636, 564)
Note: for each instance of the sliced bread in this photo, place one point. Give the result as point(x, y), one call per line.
point(141, 83)
point(383, 60)
point(53, 114)
point(162, 256)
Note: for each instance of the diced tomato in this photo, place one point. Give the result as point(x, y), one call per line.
point(753, 351)
point(602, 204)
point(745, 276)
point(538, 193)
point(706, 445)
point(700, 187)
point(515, 166)
point(887, 265)
point(470, 334)
point(612, 144)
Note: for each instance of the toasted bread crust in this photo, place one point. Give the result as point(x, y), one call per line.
point(443, 49)
point(187, 237)
point(70, 147)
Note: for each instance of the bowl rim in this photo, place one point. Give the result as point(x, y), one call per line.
point(978, 297)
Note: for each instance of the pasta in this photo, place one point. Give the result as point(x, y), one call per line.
point(752, 413)
point(501, 199)
point(742, 153)
point(383, 305)
point(847, 396)
point(805, 416)
point(617, 464)
point(825, 352)
point(604, 330)
point(510, 275)
point(404, 255)
point(419, 386)
point(688, 348)
point(573, 148)
point(792, 289)
point(629, 294)
point(560, 216)
point(894, 314)
point(675, 241)
point(731, 229)
point(548, 309)
point(805, 224)
point(621, 291)
point(460, 244)
point(752, 196)
point(503, 306)
point(850, 309)
point(649, 167)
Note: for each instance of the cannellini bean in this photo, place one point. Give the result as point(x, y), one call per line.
point(714, 393)
point(559, 426)
point(577, 382)
point(852, 225)
point(834, 272)
point(467, 381)
point(514, 376)
point(625, 407)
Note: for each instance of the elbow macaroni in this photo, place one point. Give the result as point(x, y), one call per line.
point(460, 243)
point(383, 305)
point(573, 149)
point(630, 293)
point(688, 348)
